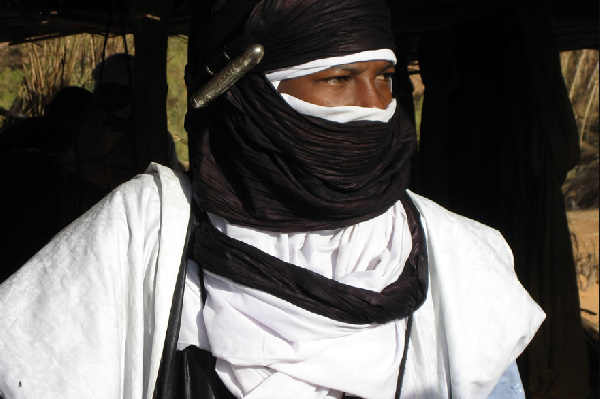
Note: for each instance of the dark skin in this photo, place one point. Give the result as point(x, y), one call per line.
point(365, 84)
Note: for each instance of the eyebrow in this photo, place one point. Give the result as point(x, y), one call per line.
point(353, 69)
point(387, 66)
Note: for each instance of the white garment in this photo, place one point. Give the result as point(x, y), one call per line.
point(86, 317)
point(476, 320)
point(303, 346)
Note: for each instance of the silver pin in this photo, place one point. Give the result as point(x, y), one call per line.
point(226, 77)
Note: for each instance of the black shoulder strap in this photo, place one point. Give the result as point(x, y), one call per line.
point(187, 374)
point(168, 380)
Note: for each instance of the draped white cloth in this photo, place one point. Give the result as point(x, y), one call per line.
point(476, 320)
point(86, 317)
point(303, 346)
point(342, 114)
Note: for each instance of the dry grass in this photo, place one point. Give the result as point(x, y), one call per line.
point(583, 224)
point(586, 262)
point(581, 186)
point(51, 65)
point(580, 71)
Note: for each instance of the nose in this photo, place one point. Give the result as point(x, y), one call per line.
point(373, 95)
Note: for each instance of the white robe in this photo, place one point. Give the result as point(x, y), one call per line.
point(87, 316)
point(476, 320)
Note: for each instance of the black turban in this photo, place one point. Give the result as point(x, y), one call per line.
point(259, 163)
point(292, 32)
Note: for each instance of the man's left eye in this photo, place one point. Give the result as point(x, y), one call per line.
point(386, 76)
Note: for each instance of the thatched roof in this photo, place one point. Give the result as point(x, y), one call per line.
point(27, 20)
point(575, 21)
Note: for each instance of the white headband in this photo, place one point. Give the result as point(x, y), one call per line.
point(325, 63)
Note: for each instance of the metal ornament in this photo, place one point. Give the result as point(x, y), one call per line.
point(226, 77)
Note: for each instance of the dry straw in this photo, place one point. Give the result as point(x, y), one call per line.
point(51, 65)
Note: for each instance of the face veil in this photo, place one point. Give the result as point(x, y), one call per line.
point(256, 161)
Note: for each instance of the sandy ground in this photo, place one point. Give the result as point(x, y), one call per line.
point(584, 224)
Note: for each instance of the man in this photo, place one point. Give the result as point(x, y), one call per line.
point(312, 271)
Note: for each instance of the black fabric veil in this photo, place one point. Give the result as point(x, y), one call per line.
point(292, 32)
point(259, 163)
point(262, 164)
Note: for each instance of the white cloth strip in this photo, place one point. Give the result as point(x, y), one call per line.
point(369, 255)
point(295, 347)
point(325, 63)
point(342, 114)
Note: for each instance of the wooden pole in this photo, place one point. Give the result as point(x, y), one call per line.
point(150, 22)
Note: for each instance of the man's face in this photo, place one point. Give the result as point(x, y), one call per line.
point(365, 84)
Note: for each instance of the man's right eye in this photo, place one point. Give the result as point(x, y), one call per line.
point(336, 79)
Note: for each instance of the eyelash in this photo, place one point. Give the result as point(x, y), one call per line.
point(345, 78)
point(337, 79)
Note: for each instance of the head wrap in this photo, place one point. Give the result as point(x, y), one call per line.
point(258, 162)
point(291, 32)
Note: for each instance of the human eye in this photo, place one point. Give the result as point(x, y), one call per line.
point(386, 76)
point(338, 79)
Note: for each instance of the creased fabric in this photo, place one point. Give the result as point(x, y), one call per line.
point(258, 162)
point(371, 254)
point(337, 28)
point(342, 114)
point(250, 266)
point(263, 164)
point(483, 328)
point(86, 317)
point(475, 321)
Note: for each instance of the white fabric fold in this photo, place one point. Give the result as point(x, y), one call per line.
point(267, 336)
point(342, 114)
point(476, 320)
point(326, 63)
point(368, 255)
point(477, 317)
point(86, 317)
point(306, 347)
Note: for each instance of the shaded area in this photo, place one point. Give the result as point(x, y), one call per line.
point(42, 197)
point(498, 137)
